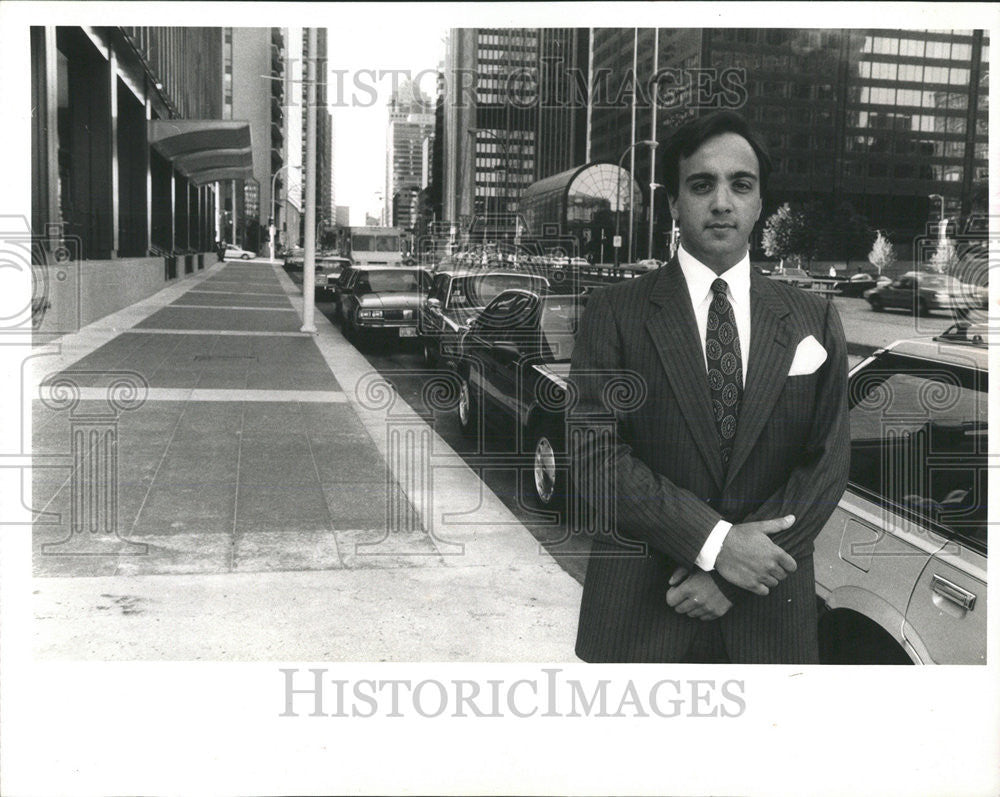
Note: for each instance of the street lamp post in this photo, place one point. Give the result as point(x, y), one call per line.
point(274, 203)
point(618, 200)
point(940, 212)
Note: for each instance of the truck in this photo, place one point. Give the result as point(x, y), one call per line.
point(376, 246)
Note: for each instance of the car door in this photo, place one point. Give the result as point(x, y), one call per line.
point(900, 292)
point(912, 479)
point(495, 341)
point(946, 615)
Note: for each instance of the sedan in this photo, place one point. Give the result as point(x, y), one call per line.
point(513, 365)
point(456, 297)
point(901, 564)
point(233, 252)
point(328, 271)
point(924, 292)
point(381, 301)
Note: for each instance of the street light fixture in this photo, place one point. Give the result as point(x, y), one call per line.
point(618, 200)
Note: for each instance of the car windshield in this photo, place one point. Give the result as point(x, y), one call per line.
point(559, 321)
point(388, 281)
point(480, 290)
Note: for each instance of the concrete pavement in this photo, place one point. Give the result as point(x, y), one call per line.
point(272, 498)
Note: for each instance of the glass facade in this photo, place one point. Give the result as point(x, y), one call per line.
point(589, 203)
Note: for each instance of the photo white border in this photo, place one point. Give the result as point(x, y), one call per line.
point(193, 728)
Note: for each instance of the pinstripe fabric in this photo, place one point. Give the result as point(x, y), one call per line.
point(790, 456)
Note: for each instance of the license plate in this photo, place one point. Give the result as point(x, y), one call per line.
point(407, 332)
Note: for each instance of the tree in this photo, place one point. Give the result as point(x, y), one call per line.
point(786, 235)
point(882, 254)
point(945, 256)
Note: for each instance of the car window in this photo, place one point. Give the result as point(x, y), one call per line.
point(480, 290)
point(918, 442)
point(389, 281)
point(509, 313)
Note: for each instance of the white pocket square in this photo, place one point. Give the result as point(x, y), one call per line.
point(809, 355)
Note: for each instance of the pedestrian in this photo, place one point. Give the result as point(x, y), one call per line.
point(730, 448)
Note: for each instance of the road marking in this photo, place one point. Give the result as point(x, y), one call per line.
point(232, 307)
point(279, 294)
point(233, 332)
point(205, 394)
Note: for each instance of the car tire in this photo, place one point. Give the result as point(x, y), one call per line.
point(429, 355)
point(923, 310)
point(468, 408)
point(545, 485)
point(876, 304)
point(244, 257)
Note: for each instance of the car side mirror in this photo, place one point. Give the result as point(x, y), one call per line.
point(434, 305)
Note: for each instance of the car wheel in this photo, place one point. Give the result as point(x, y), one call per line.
point(923, 309)
point(876, 304)
point(546, 486)
point(244, 257)
point(468, 408)
point(430, 358)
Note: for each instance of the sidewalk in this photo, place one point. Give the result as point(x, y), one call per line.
point(274, 499)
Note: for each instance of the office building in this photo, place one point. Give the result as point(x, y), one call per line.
point(291, 180)
point(885, 121)
point(515, 124)
point(409, 137)
point(129, 154)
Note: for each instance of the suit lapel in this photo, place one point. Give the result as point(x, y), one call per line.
point(770, 357)
point(675, 334)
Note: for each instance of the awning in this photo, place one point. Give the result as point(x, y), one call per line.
point(205, 150)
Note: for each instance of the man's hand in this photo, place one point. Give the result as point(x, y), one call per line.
point(696, 595)
point(750, 560)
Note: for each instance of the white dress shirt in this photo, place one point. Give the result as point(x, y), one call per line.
point(699, 279)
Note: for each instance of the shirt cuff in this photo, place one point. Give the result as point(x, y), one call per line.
point(710, 550)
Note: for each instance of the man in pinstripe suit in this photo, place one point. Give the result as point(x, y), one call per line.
point(737, 454)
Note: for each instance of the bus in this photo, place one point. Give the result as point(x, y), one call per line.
point(377, 246)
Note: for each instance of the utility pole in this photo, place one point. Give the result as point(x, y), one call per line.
point(309, 260)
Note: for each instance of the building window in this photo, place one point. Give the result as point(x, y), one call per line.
point(958, 77)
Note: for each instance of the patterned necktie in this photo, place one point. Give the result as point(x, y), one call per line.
point(725, 367)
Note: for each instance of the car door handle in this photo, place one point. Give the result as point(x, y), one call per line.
point(953, 592)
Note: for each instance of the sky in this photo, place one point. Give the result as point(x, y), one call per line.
point(358, 100)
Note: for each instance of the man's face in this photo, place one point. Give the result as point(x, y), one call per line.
point(718, 200)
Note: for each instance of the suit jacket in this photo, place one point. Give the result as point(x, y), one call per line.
point(658, 461)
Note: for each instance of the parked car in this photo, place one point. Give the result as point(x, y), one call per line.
point(793, 276)
point(456, 297)
point(328, 270)
point(901, 564)
point(234, 252)
point(380, 301)
point(923, 292)
point(512, 368)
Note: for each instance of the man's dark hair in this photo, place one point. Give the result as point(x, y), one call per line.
point(687, 138)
